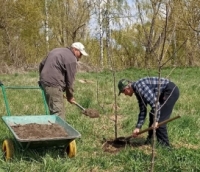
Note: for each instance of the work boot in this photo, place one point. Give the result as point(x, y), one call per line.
point(165, 145)
point(148, 141)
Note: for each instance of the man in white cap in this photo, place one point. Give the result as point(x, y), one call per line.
point(57, 74)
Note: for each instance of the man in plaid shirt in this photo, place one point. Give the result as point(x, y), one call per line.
point(161, 94)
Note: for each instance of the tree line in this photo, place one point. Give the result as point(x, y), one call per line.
point(117, 34)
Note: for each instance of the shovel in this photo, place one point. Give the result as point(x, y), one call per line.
point(126, 139)
point(78, 105)
point(88, 112)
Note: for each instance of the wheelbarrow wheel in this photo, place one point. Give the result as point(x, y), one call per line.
point(8, 149)
point(71, 149)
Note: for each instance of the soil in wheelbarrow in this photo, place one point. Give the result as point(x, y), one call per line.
point(37, 131)
point(116, 145)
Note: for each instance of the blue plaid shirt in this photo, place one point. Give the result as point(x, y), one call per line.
point(146, 91)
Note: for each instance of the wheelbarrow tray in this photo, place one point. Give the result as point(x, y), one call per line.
point(41, 119)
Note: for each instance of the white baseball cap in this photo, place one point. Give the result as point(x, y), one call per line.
point(79, 46)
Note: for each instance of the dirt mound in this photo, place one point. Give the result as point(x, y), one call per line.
point(115, 145)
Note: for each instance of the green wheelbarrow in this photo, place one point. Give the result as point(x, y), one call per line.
point(67, 142)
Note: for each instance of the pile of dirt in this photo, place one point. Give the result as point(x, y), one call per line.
point(34, 131)
point(116, 145)
point(92, 113)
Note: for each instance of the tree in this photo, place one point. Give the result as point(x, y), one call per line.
point(68, 20)
point(20, 23)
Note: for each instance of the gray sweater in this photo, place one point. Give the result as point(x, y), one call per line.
point(58, 69)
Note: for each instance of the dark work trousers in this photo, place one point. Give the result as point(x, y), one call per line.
point(55, 100)
point(167, 101)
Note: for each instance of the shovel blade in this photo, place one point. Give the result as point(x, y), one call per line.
point(91, 113)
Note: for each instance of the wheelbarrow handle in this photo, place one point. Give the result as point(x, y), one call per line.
point(159, 124)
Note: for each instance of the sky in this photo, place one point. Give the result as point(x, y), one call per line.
point(95, 28)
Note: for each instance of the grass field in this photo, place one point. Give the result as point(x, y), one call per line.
point(97, 91)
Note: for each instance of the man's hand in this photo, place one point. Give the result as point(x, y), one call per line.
point(135, 132)
point(71, 100)
point(155, 125)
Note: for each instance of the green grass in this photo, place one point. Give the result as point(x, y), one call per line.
point(97, 92)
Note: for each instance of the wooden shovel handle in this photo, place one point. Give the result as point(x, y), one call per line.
point(159, 124)
point(78, 105)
